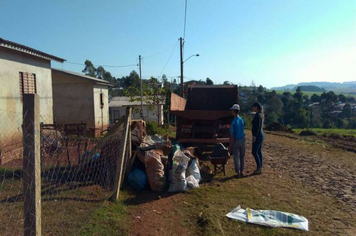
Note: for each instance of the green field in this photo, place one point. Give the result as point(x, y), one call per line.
point(320, 131)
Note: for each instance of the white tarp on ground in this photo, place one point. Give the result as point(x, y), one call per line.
point(269, 218)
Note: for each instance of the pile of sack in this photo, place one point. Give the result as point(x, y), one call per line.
point(163, 165)
point(185, 172)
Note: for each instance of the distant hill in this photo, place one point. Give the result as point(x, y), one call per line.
point(346, 87)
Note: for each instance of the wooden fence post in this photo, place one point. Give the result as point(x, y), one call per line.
point(121, 161)
point(31, 165)
point(129, 114)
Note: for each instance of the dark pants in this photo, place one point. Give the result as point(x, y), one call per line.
point(257, 153)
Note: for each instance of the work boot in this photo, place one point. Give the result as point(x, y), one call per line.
point(257, 172)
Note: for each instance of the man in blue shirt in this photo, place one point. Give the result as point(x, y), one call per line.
point(237, 140)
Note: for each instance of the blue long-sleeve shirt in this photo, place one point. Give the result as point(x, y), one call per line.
point(237, 128)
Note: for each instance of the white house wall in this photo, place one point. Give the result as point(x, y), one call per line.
point(148, 115)
point(73, 100)
point(11, 63)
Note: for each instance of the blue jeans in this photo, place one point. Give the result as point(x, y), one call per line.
point(239, 154)
point(257, 152)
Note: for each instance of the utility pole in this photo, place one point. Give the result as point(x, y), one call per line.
point(141, 112)
point(181, 68)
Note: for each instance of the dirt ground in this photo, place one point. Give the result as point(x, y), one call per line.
point(313, 170)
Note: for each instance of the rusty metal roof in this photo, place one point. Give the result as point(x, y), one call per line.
point(211, 97)
point(28, 50)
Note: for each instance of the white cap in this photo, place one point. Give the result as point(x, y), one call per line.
point(235, 107)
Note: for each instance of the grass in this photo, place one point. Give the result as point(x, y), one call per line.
point(66, 208)
point(206, 207)
point(109, 219)
point(321, 131)
point(200, 211)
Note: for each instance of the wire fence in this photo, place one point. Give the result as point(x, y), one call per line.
point(76, 174)
point(11, 187)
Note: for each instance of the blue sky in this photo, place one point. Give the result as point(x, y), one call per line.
point(269, 42)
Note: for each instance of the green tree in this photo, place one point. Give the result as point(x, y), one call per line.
point(298, 96)
point(339, 123)
point(327, 104)
point(270, 118)
point(301, 118)
point(342, 98)
point(274, 105)
point(100, 72)
point(89, 69)
point(209, 81)
point(156, 97)
point(153, 93)
point(347, 111)
point(306, 100)
point(315, 98)
point(261, 98)
point(260, 89)
point(132, 80)
point(350, 99)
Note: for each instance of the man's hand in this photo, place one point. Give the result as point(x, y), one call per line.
point(253, 139)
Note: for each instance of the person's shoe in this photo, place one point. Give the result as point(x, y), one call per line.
point(257, 172)
point(236, 176)
point(241, 174)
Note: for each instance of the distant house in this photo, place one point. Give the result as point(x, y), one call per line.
point(79, 98)
point(118, 107)
point(23, 70)
point(315, 105)
point(353, 107)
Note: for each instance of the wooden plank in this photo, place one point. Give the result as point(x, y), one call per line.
point(121, 161)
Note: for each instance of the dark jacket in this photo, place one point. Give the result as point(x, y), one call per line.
point(257, 127)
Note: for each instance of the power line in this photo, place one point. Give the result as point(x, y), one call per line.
point(82, 64)
point(169, 58)
point(153, 55)
point(129, 65)
point(185, 18)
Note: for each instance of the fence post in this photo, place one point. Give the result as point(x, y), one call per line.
point(31, 165)
point(122, 156)
point(129, 114)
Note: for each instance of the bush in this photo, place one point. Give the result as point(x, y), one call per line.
point(248, 120)
point(352, 124)
point(271, 118)
point(153, 128)
point(339, 123)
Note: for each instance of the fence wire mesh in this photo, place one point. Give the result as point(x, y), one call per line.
point(77, 175)
point(11, 187)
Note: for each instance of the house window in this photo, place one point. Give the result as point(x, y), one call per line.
point(27, 83)
point(101, 101)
